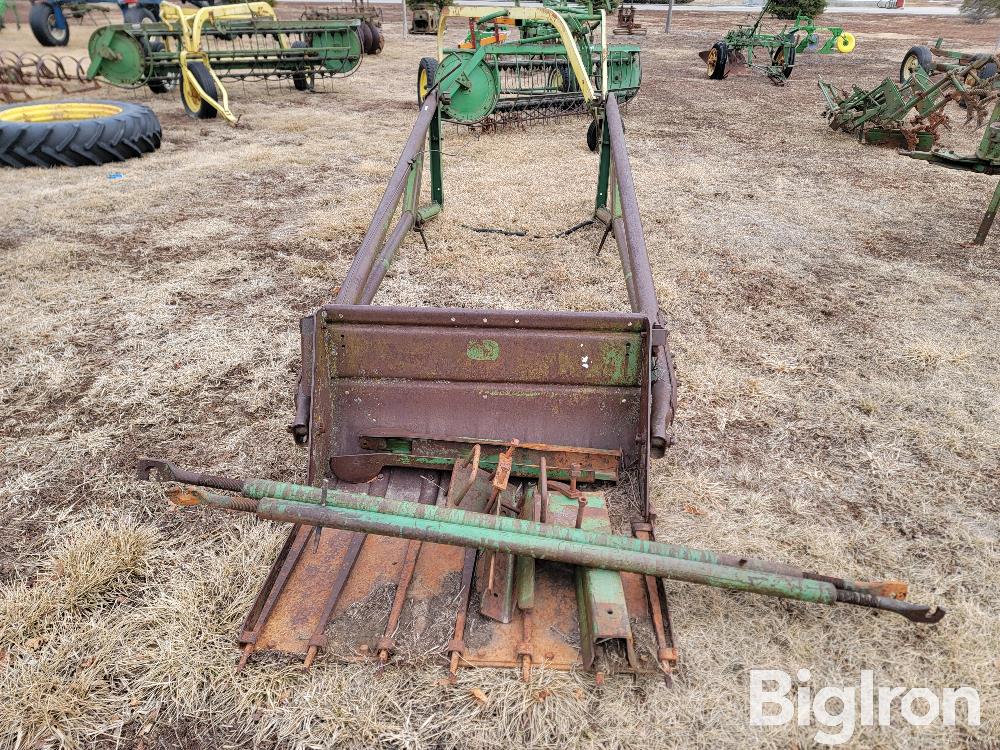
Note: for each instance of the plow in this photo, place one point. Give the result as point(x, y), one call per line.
point(477, 490)
point(742, 47)
point(245, 42)
point(519, 64)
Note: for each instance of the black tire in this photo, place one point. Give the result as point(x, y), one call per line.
point(916, 55)
point(135, 14)
point(563, 79)
point(131, 132)
point(988, 71)
point(593, 139)
point(200, 109)
point(718, 72)
point(300, 79)
point(160, 85)
point(365, 35)
point(784, 57)
point(429, 67)
point(378, 40)
point(42, 20)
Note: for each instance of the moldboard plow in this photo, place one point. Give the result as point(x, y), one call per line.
point(477, 481)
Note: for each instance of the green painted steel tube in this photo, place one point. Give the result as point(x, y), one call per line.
point(262, 488)
point(535, 546)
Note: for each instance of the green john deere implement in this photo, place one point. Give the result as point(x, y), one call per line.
point(521, 64)
point(910, 116)
point(744, 45)
point(936, 59)
point(240, 42)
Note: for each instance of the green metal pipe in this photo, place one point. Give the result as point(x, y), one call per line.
point(262, 488)
point(537, 547)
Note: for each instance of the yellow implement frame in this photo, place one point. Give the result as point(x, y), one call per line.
point(190, 23)
point(527, 14)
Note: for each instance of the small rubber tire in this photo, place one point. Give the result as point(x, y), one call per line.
point(160, 85)
point(846, 42)
point(135, 14)
point(717, 71)
point(131, 132)
point(203, 110)
point(41, 19)
point(426, 77)
point(785, 58)
point(301, 80)
point(378, 40)
point(594, 136)
point(916, 55)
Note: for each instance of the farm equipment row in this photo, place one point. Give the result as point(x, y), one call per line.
point(21, 72)
point(203, 47)
point(744, 45)
point(552, 66)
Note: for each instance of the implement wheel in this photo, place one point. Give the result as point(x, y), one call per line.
point(160, 85)
point(846, 42)
point(301, 80)
point(42, 19)
point(715, 63)
point(784, 58)
point(194, 104)
point(76, 133)
point(426, 76)
point(917, 56)
point(371, 38)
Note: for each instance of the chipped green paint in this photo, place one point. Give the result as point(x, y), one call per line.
point(621, 362)
point(486, 350)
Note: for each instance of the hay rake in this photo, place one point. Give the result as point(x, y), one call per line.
point(203, 47)
point(22, 71)
point(520, 64)
point(465, 466)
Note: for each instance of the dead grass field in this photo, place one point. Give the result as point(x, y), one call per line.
point(837, 343)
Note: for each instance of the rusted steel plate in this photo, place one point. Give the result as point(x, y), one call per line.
point(487, 354)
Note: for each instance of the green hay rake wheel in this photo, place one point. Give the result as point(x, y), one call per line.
point(472, 102)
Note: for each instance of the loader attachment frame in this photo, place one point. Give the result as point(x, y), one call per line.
point(545, 416)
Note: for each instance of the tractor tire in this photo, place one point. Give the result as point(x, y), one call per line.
point(916, 56)
point(42, 19)
point(365, 35)
point(76, 133)
point(426, 77)
point(715, 66)
point(378, 40)
point(134, 14)
point(194, 105)
point(301, 80)
point(160, 85)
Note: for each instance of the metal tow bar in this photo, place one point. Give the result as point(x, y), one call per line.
point(293, 503)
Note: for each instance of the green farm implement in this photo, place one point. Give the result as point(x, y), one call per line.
point(746, 45)
point(478, 479)
point(522, 63)
point(203, 47)
point(935, 59)
point(911, 114)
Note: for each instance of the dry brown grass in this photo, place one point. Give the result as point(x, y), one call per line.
point(837, 343)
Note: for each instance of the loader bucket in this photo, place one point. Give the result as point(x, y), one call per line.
point(401, 399)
